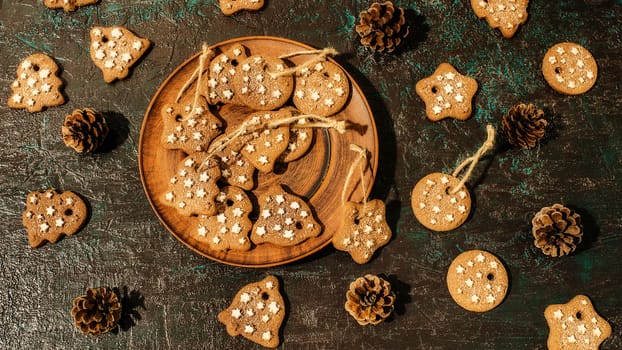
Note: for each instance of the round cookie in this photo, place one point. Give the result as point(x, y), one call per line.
point(435, 207)
point(257, 88)
point(321, 90)
point(477, 281)
point(569, 68)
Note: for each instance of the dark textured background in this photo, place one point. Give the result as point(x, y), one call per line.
point(172, 295)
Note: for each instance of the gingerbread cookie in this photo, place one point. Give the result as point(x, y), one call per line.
point(236, 170)
point(188, 129)
point(258, 88)
point(575, 325)
point(221, 72)
point(436, 203)
point(321, 90)
point(477, 280)
point(50, 215)
point(68, 5)
point(569, 68)
point(193, 188)
point(229, 227)
point(229, 7)
point(37, 85)
point(363, 230)
point(506, 15)
point(114, 50)
point(300, 140)
point(256, 313)
point(284, 219)
point(264, 147)
point(447, 93)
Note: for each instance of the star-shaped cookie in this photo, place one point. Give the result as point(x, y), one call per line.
point(506, 15)
point(363, 230)
point(447, 93)
point(575, 325)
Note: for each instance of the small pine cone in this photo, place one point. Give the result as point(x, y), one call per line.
point(84, 130)
point(557, 230)
point(524, 125)
point(370, 300)
point(97, 311)
point(382, 27)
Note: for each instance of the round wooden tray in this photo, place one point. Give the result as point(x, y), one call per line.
point(318, 177)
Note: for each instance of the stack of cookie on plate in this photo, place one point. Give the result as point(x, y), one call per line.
point(212, 185)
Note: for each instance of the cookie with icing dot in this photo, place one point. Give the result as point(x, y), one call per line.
point(447, 93)
point(506, 15)
point(264, 147)
point(438, 204)
point(284, 219)
point(230, 226)
point(258, 88)
point(300, 140)
point(187, 128)
point(363, 230)
point(569, 68)
point(235, 169)
point(37, 85)
point(229, 7)
point(321, 90)
point(477, 280)
point(193, 188)
point(575, 325)
point(222, 69)
point(114, 50)
point(50, 215)
point(256, 313)
point(68, 5)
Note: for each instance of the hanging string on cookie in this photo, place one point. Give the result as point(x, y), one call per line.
point(255, 123)
point(361, 163)
point(206, 53)
point(474, 159)
point(320, 56)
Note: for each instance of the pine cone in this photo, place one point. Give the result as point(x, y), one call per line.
point(382, 27)
point(524, 125)
point(97, 311)
point(557, 230)
point(84, 130)
point(370, 300)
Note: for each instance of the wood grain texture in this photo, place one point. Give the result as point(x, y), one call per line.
point(319, 177)
point(173, 294)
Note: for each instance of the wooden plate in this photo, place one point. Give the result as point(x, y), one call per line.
point(318, 177)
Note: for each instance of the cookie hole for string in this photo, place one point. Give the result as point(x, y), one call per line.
point(558, 70)
point(234, 63)
point(68, 212)
point(35, 67)
point(265, 296)
point(104, 39)
point(357, 221)
point(434, 89)
point(178, 118)
point(298, 225)
point(229, 202)
point(326, 75)
point(490, 277)
point(578, 315)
